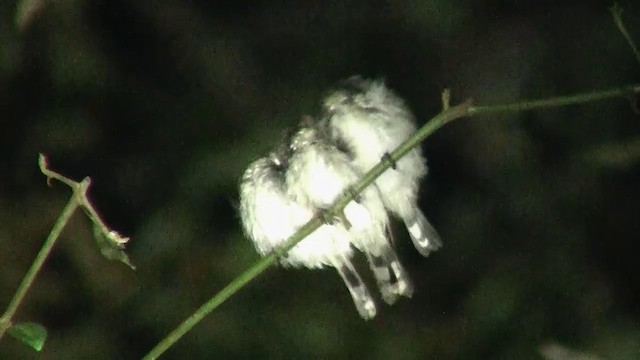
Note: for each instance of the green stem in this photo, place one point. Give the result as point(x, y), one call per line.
point(557, 101)
point(6, 319)
point(616, 12)
point(448, 115)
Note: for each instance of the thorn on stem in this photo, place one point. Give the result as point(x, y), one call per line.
point(446, 99)
point(44, 168)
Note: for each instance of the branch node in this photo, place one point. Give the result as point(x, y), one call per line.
point(326, 217)
point(387, 157)
point(355, 196)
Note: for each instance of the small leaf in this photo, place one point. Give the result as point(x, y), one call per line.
point(30, 333)
point(111, 246)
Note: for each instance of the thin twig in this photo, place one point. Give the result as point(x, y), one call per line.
point(80, 190)
point(557, 101)
point(616, 12)
point(7, 318)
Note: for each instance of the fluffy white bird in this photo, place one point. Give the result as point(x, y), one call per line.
point(317, 175)
point(270, 216)
point(369, 121)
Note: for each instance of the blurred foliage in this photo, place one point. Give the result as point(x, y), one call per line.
point(164, 103)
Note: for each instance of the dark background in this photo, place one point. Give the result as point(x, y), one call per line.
point(164, 103)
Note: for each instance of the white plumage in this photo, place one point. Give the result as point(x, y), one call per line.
point(318, 173)
point(369, 121)
point(270, 216)
point(361, 122)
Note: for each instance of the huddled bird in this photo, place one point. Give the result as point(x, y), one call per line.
point(371, 121)
point(361, 122)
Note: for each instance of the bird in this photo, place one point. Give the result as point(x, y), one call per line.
point(318, 173)
point(270, 216)
point(367, 120)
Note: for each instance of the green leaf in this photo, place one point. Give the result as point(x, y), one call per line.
point(30, 333)
point(111, 245)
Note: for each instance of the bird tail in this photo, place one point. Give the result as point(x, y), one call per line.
point(392, 279)
point(424, 236)
point(359, 293)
